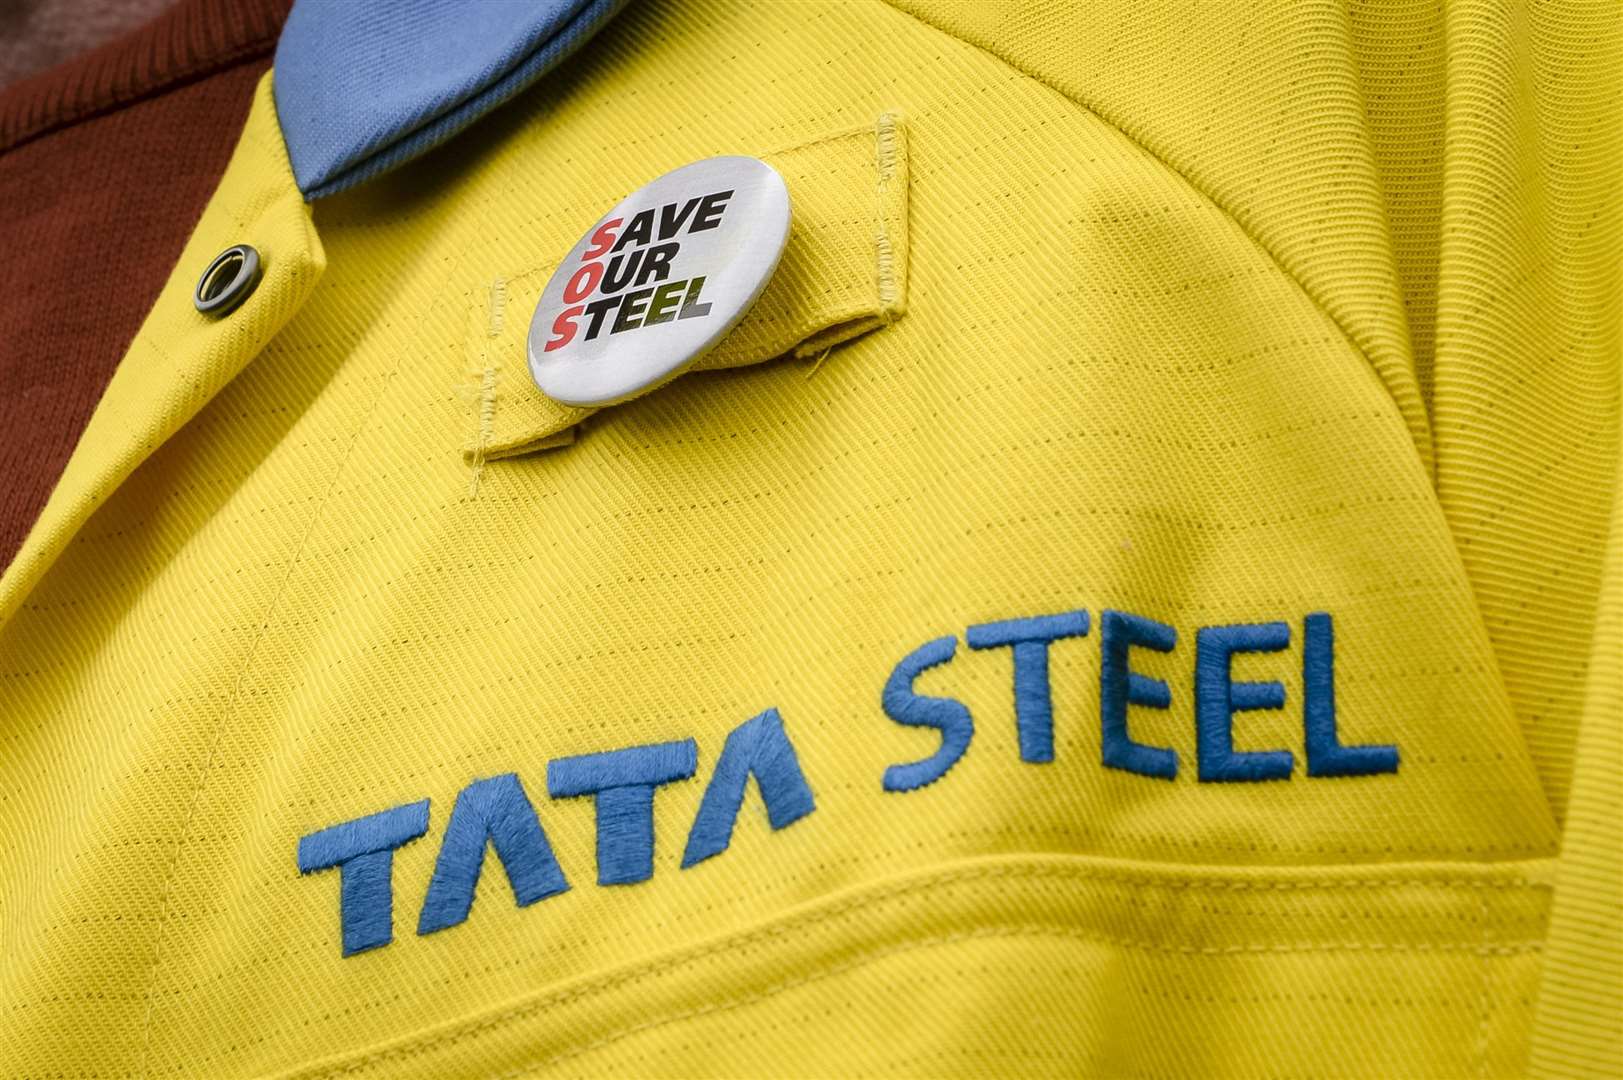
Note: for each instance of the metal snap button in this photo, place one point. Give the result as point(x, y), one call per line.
point(229, 279)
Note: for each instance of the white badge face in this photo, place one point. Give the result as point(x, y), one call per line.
point(659, 280)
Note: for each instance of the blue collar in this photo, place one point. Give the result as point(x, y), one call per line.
point(365, 85)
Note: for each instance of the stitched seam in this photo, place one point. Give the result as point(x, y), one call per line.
point(1014, 931)
point(885, 162)
point(226, 974)
point(495, 318)
point(1426, 456)
point(1485, 1004)
point(836, 136)
point(1008, 932)
point(236, 687)
point(487, 415)
point(208, 764)
point(868, 898)
point(996, 932)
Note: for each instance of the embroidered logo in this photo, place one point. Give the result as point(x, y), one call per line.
point(498, 814)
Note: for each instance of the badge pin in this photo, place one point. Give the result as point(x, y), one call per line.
point(658, 281)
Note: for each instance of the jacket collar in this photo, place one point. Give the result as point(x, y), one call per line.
point(180, 360)
point(363, 86)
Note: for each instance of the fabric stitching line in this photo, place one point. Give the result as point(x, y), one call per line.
point(885, 162)
point(1481, 1048)
point(821, 140)
point(894, 891)
point(1424, 455)
point(236, 689)
point(487, 418)
point(1025, 930)
point(495, 317)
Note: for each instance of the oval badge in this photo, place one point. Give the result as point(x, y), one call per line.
point(658, 281)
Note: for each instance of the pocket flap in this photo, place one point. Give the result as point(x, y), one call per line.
point(843, 273)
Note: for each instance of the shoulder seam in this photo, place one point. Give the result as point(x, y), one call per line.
point(1422, 434)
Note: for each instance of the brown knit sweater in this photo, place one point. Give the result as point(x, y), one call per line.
point(105, 164)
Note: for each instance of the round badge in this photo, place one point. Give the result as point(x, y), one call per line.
point(659, 280)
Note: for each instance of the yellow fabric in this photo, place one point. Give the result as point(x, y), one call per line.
point(1441, 178)
point(1155, 356)
point(1580, 1002)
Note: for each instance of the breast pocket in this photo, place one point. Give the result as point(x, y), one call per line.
point(843, 274)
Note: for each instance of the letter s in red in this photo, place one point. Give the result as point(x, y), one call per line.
point(564, 326)
point(602, 239)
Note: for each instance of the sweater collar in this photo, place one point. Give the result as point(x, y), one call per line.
point(187, 42)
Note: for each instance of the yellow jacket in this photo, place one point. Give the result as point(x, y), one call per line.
point(1143, 598)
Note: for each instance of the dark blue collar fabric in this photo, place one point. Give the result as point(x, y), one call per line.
point(365, 85)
